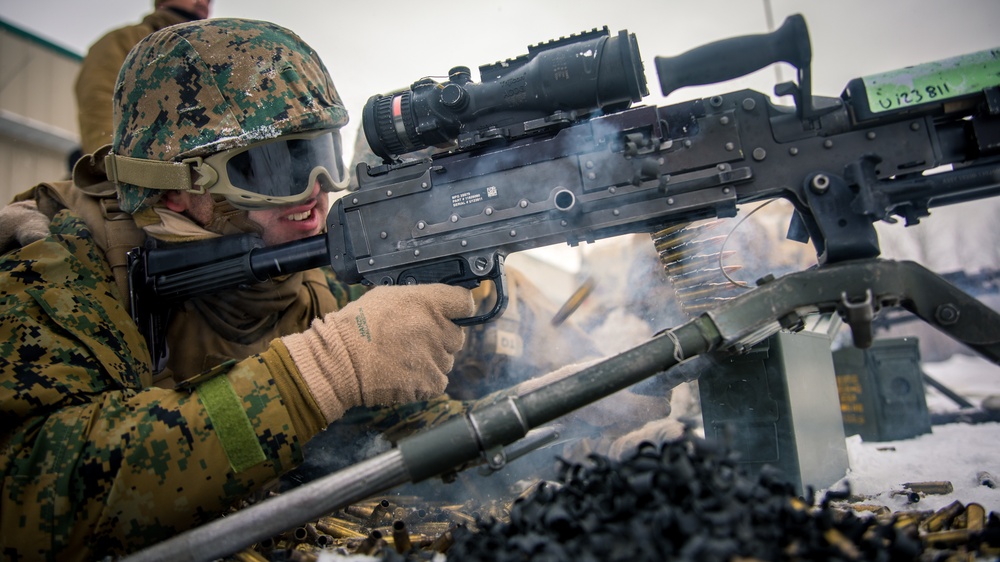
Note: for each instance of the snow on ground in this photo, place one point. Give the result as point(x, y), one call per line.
point(971, 376)
point(956, 452)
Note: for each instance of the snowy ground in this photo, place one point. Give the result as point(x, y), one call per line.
point(956, 452)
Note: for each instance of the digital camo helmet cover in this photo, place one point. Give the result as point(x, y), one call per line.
point(199, 88)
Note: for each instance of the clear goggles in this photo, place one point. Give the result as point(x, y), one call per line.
point(278, 172)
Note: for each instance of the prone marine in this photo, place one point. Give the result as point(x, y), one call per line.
point(222, 126)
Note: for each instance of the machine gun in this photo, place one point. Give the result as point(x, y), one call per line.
point(549, 149)
point(571, 174)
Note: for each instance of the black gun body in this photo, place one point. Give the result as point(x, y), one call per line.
point(563, 189)
point(454, 217)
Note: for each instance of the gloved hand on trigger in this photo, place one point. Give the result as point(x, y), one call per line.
point(21, 222)
point(394, 345)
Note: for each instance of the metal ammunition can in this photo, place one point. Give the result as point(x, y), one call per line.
point(882, 392)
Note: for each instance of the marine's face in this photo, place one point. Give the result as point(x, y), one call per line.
point(279, 224)
point(294, 222)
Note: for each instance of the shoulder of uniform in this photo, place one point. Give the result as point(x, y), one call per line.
point(69, 253)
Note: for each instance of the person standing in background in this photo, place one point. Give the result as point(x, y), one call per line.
point(95, 83)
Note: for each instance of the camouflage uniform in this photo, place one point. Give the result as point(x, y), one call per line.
point(95, 459)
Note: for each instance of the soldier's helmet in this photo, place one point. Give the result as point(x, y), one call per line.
point(234, 107)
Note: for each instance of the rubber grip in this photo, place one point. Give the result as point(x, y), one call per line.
point(737, 56)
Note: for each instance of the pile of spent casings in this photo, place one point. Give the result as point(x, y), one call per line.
point(683, 500)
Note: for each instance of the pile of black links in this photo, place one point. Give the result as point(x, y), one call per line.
point(686, 500)
point(690, 500)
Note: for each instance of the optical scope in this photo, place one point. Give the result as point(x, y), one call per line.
point(556, 83)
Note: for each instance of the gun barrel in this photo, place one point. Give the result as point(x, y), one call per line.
point(947, 188)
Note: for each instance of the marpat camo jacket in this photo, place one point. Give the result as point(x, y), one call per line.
point(95, 461)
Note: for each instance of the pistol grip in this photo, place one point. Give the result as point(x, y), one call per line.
point(454, 271)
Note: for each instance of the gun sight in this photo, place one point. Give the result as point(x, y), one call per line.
point(555, 84)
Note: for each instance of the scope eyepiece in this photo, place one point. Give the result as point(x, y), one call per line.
point(556, 82)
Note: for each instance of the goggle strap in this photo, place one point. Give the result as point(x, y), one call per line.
point(154, 174)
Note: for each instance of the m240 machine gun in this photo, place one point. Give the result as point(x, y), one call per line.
point(548, 149)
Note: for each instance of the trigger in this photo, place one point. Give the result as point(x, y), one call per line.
point(797, 230)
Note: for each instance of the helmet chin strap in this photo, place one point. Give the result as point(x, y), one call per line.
point(227, 219)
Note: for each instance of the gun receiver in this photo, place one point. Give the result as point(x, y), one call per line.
point(591, 166)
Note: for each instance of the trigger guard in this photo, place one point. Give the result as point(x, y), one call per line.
point(500, 281)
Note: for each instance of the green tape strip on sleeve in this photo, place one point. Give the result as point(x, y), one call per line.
point(231, 423)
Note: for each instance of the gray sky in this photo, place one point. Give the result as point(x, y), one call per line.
point(378, 47)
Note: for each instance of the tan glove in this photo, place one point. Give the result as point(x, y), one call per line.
point(394, 345)
point(22, 223)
